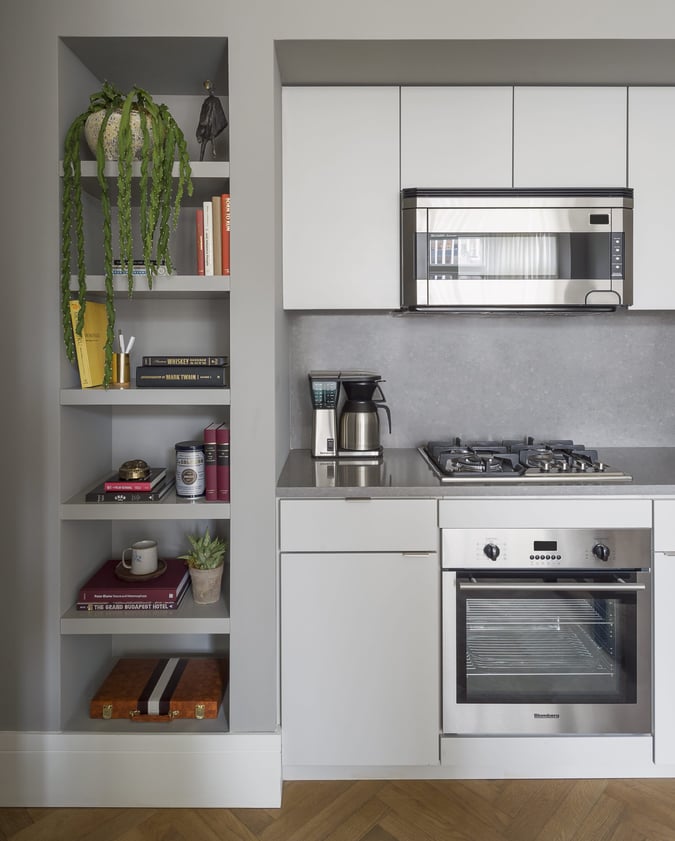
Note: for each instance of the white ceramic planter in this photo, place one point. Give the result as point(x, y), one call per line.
point(92, 129)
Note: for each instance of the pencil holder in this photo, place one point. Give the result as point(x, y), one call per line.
point(121, 370)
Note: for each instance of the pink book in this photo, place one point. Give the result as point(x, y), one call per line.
point(223, 462)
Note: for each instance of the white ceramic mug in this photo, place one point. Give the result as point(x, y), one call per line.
point(143, 557)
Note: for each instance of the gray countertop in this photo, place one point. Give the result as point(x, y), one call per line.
point(404, 473)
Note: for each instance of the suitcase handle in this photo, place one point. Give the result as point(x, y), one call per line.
point(137, 715)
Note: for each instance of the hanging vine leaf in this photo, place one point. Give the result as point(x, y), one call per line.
point(162, 142)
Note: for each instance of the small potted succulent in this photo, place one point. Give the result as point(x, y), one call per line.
point(125, 128)
point(206, 562)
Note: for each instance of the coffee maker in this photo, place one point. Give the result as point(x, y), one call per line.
point(357, 432)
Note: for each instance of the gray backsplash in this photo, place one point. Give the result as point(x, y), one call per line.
point(601, 379)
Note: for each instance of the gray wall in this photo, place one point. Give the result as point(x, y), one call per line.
point(602, 379)
point(261, 416)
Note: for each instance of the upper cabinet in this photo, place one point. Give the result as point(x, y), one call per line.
point(569, 136)
point(651, 173)
point(340, 198)
point(456, 136)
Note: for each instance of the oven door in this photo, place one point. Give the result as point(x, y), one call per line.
point(546, 654)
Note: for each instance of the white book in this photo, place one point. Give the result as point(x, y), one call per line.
point(208, 238)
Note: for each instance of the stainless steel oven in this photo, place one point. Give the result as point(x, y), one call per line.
point(546, 631)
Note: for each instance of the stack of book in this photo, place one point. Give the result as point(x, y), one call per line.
point(106, 591)
point(213, 236)
point(158, 483)
point(217, 462)
point(183, 372)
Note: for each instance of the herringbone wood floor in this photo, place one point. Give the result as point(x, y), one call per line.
point(485, 810)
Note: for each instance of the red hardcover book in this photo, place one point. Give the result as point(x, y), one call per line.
point(223, 462)
point(105, 586)
point(225, 238)
point(200, 241)
point(210, 468)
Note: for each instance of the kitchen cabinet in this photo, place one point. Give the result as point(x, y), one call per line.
point(340, 154)
point(456, 136)
point(360, 634)
point(569, 136)
point(651, 173)
point(664, 632)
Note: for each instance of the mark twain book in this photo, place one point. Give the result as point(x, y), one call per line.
point(182, 376)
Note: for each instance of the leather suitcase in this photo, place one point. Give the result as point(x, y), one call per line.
point(162, 689)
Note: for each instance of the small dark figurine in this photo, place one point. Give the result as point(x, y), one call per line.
point(212, 121)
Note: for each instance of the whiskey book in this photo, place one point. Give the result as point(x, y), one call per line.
point(182, 376)
point(89, 345)
point(99, 494)
point(155, 476)
point(185, 360)
point(104, 587)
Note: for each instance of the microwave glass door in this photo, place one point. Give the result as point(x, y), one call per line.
point(546, 640)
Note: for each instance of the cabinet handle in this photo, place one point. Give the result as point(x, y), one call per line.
point(417, 554)
point(358, 499)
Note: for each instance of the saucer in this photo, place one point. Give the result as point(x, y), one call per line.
point(126, 575)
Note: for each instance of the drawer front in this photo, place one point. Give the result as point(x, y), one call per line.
point(364, 525)
point(545, 513)
point(664, 525)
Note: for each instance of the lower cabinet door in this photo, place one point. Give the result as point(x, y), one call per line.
point(664, 659)
point(360, 640)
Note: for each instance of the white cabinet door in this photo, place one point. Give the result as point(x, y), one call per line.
point(664, 659)
point(456, 136)
point(360, 659)
point(569, 136)
point(340, 148)
point(651, 173)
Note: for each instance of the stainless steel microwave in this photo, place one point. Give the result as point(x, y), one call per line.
point(517, 249)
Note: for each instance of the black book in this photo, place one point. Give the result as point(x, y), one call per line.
point(209, 361)
point(182, 376)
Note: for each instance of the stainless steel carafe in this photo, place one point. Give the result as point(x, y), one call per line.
point(359, 422)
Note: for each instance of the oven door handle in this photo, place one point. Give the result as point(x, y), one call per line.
point(469, 585)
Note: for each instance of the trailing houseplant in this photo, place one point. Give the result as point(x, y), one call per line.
point(161, 142)
point(206, 566)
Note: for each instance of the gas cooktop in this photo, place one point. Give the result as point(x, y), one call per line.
point(517, 461)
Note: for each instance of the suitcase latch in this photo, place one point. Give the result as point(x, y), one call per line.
point(107, 711)
point(200, 710)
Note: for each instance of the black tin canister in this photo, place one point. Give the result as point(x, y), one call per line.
point(190, 471)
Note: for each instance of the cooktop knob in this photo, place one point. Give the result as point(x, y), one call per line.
point(601, 551)
point(491, 550)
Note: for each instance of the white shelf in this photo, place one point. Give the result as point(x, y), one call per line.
point(207, 179)
point(189, 618)
point(83, 724)
point(100, 396)
point(169, 508)
point(163, 286)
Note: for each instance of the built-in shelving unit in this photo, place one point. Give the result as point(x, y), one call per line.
point(183, 313)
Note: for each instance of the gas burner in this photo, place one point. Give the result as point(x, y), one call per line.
point(527, 460)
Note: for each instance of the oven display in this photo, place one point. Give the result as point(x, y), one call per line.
point(545, 546)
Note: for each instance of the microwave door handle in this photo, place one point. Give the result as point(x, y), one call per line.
point(466, 585)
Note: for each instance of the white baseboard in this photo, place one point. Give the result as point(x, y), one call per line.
point(180, 770)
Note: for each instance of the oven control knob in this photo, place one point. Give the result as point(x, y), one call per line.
point(491, 550)
point(601, 551)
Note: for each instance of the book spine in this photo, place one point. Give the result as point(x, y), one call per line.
point(211, 361)
point(199, 244)
point(208, 238)
point(138, 594)
point(225, 222)
point(159, 605)
point(80, 347)
point(180, 376)
point(217, 235)
point(129, 496)
point(223, 462)
point(210, 470)
point(109, 487)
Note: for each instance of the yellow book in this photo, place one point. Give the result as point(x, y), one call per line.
point(89, 346)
